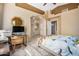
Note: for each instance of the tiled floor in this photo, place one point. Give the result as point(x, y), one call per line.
point(31, 50)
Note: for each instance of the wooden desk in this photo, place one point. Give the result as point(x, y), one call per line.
point(16, 40)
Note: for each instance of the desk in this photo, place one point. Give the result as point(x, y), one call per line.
point(16, 40)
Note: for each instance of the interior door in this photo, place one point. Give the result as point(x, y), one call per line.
point(53, 27)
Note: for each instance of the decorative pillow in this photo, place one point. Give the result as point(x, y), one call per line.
point(77, 41)
point(73, 38)
point(68, 39)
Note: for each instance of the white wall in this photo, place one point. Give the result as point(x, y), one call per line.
point(10, 11)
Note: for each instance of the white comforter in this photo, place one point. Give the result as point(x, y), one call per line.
point(63, 45)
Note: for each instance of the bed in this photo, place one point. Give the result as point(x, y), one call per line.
point(4, 46)
point(60, 45)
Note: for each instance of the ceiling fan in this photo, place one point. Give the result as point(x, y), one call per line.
point(47, 3)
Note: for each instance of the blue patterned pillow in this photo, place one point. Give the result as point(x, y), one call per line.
point(73, 38)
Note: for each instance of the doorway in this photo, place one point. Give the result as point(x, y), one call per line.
point(53, 27)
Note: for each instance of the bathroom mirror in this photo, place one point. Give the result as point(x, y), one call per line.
point(16, 21)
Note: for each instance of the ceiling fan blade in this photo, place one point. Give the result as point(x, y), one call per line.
point(44, 4)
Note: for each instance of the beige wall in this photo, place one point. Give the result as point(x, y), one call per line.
point(69, 22)
point(10, 11)
point(42, 26)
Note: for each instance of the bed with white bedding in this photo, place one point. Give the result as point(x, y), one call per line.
point(4, 46)
point(3, 35)
point(60, 45)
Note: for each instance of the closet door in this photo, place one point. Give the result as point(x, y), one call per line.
point(35, 28)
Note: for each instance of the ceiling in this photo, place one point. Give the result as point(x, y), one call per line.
point(47, 7)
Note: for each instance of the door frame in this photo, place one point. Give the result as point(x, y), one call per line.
point(58, 19)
